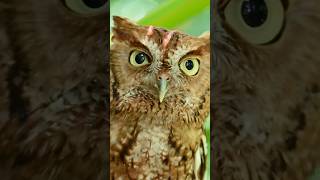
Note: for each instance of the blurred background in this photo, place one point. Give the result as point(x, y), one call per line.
point(189, 16)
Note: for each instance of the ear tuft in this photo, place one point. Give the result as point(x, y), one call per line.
point(121, 22)
point(123, 29)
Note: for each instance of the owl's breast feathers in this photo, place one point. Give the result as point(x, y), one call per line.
point(165, 140)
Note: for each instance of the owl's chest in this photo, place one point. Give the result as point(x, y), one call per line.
point(143, 145)
point(144, 136)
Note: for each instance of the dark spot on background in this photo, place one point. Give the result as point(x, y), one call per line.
point(314, 88)
point(291, 142)
point(301, 121)
point(296, 114)
point(278, 164)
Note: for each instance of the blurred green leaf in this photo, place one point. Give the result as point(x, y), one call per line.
point(172, 13)
point(134, 10)
point(198, 24)
point(190, 16)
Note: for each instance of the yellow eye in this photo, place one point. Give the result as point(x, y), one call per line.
point(87, 7)
point(190, 66)
point(139, 58)
point(257, 21)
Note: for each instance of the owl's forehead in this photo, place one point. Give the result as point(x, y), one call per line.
point(164, 37)
point(167, 45)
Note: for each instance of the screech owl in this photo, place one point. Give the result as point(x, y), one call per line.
point(160, 99)
point(266, 89)
point(53, 89)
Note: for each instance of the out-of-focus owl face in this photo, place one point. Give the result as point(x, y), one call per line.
point(151, 63)
point(58, 38)
point(266, 58)
point(69, 25)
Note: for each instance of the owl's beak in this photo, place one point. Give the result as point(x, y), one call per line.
point(163, 88)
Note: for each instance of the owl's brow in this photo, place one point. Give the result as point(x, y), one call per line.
point(196, 52)
point(139, 45)
point(131, 39)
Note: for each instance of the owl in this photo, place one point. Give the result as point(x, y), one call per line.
point(53, 82)
point(160, 84)
point(266, 89)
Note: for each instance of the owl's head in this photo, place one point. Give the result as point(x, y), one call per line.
point(152, 65)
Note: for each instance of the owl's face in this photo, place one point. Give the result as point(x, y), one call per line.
point(266, 60)
point(257, 41)
point(56, 39)
point(154, 65)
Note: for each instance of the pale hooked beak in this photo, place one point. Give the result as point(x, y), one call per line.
point(163, 88)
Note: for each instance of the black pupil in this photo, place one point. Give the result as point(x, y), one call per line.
point(254, 12)
point(189, 64)
point(94, 3)
point(140, 58)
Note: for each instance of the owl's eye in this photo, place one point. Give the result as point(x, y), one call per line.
point(258, 21)
point(190, 66)
point(139, 58)
point(87, 7)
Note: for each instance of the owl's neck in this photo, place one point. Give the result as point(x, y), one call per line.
point(164, 113)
